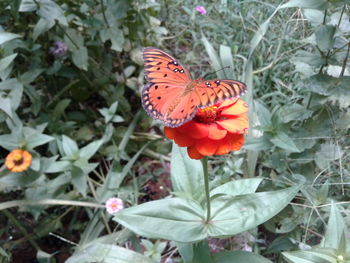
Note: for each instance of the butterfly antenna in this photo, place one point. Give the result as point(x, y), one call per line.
point(215, 71)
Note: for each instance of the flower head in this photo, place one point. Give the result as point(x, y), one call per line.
point(215, 130)
point(18, 160)
point(201, 9)
point(59, 49)
point(114, 205)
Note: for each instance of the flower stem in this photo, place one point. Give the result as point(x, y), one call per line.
point(206, 186)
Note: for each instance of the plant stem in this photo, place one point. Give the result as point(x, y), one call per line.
point(103, 13)
point(345, 61)
point(21, 228)
point(206, 186)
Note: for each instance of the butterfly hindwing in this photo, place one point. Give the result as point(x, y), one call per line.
point(161, 67)
point(217, 90)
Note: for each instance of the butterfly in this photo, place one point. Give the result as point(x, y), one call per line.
point(173, 97)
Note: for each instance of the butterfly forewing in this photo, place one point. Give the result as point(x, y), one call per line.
point(161, 67)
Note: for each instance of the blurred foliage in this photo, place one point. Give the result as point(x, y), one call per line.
point(71, 74)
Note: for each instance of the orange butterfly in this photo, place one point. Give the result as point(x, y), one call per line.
point(172, 96)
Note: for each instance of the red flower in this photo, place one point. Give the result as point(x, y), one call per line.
point(215, 130)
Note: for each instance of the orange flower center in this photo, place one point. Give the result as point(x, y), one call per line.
point(208, 114)
point(17, 158)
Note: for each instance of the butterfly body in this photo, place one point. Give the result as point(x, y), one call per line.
point(172, 96)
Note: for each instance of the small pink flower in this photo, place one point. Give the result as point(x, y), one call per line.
point(201, 9)
point(114, 205)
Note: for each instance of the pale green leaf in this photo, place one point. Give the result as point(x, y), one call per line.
point(5, 36)
point(80, 58)
point(186, 174)
point(158, 219)
point(283, 141)
point(310, 4)
point(234, 214)
point(237, 187)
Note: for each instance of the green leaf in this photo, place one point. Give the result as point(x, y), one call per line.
point(340, 92)
point(294, 112)
point(335, 229)
point(155, 219)
point(227, 61)
point(325, 37)
point(230, 215)
point(186, 251)
point(79, 179)
point(214, 59)
point(80, 58)
point(186, 174)
point(310, 4)
point(43, 257)
point(6, 61)
point(27, 6)
point(69, 147)
point(50, 11)
point(9, 141)
point(237, 187)
point(315, 255)
point(37, 140)
point(60, 108)
point(115, 35)
point(314, 16)
point(42, 26)
point(283, 141)
point(239, 257)
point(312, 59)
point(106, 253)
point(328, 153)
point(13, 91)
point(257, 144)
point(5, 36)
point(201, 252)
point(59, 166)
point(234, 214)
point(89, 150)
point(117, 39)
point(263, 114)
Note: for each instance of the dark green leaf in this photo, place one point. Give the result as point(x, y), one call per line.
point(239, 257)
point(325, 37)
point(79, 179)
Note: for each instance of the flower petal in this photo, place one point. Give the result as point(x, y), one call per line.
point(235, 125)
point(183, 140)
point(206, 146)
point(195, 130)
point(169, 132)
point(216, 132)
point(237, 108)
point(224, 146)
point(236, 140)
point(193, 153)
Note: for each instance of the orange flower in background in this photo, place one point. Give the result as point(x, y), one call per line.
point(18, 160)
point(215, 130)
